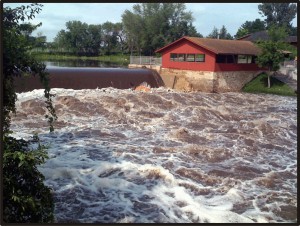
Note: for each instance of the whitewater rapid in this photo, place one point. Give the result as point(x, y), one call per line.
point(165, 156)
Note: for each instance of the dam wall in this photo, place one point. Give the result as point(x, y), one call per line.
point(153, 75)
point(90, 78)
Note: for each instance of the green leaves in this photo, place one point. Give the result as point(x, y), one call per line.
point(150, 26)
point(279, 14)
point(271, 50)
point(18, 62)
point(25, 197)
point(250, 27)
point(221, 34)
point(83, 39)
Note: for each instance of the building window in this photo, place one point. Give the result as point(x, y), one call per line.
point(221, 59)
point(235, 59)
point(200, 58)
point(173, 56)
point(231, 59)
point(249, 59)
point(190, 57)
point(242, 59)
point(181, 57)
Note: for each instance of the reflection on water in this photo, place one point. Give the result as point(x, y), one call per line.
point(164, 156)
point(85, 63)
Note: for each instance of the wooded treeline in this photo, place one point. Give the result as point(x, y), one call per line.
point(149, 26)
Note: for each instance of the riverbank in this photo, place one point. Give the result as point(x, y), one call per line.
point(259, 85)
point(120, 58)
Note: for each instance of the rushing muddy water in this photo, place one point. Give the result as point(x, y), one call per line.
point(164, 156)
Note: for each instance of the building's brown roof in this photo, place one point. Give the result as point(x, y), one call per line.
point(221, 46)
point(291, 39)
point(255, 36)
point(263, 35)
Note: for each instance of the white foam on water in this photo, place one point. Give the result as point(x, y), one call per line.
point(166, 156)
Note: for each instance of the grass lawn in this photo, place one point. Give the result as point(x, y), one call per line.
point(260, 85)
point(111, 58)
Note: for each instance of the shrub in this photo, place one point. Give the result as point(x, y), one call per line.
point(25, 197)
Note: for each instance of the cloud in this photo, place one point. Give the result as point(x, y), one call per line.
point(231, 15)
point(207, 15)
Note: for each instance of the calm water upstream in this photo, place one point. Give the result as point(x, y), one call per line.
point(84, 63)
point(163, 156)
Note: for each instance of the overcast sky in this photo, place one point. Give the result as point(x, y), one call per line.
point(206, 15)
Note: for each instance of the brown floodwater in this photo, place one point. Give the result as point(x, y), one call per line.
point(164, 156)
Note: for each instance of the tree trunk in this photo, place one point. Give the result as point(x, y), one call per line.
point(269, 83)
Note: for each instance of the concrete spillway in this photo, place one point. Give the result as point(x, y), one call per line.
point(91, 78)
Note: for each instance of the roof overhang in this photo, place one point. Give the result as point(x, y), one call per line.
point(210, 46)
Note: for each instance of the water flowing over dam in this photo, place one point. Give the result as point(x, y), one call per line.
point(91, 78)
point(164, 156)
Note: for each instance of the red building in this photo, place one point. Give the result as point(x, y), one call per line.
point(215, 55)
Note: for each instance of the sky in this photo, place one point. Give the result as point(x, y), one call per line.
point(206, 15)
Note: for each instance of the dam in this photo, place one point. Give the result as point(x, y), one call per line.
point(91, 78)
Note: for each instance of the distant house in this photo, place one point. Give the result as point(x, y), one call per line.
point(210, 65)
point(204, 54)
point(263, 35)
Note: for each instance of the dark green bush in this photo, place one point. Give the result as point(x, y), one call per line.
point(25, 197)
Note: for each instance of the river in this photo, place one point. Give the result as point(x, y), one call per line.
point(164, 156)
point(85, 63)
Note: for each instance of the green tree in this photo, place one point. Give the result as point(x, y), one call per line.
point(279, 14)
point(271, 50)
point(224, 34)
point(110, 37)
point(76, 36)
point(17, 60)
point(219, 34)
point(133, 25)
point(120, 34)
point(25, 198)
point(150, 26)
point(60, 41)
point(250, 27)
point(38, 42)
point(27, 28)
point(79, 38)
point(93, 39)
point(241, 33)
point(214, 33)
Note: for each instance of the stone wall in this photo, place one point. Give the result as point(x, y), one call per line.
point(188, 80)
point(233, 81)
point(206, 81)
point(153, 67)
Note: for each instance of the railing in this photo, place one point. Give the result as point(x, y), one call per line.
point(145, 60)
point(290, 63)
